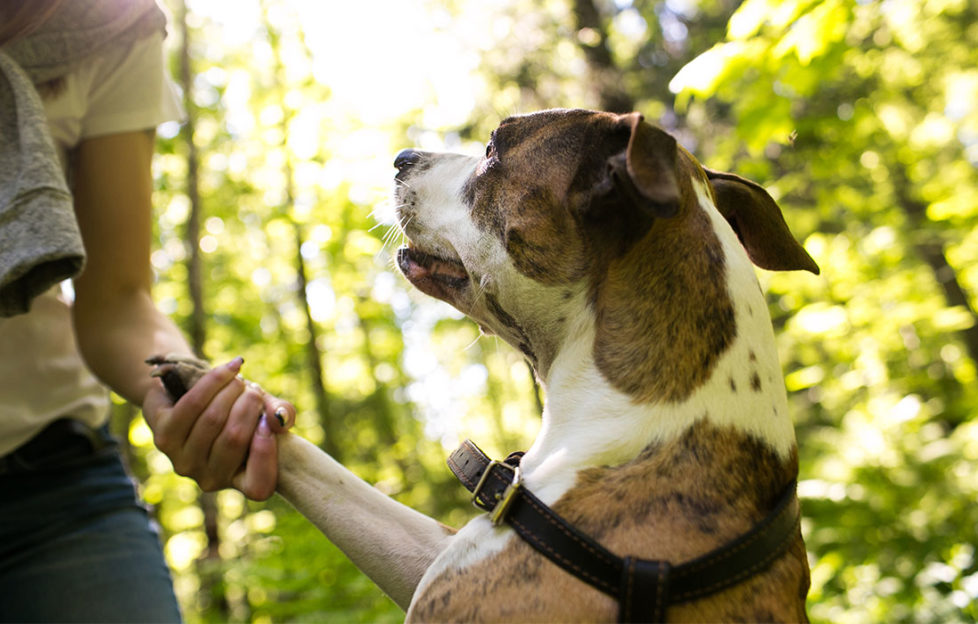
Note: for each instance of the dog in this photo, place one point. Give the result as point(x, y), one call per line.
point(662, 483)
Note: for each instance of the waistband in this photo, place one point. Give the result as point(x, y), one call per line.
point(61, 442)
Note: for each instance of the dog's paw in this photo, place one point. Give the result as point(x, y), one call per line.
point(177, 372)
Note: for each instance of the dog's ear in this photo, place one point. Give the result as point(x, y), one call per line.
point(645, 173)
point(759, 224)
point(650, 168)
point(637, 185)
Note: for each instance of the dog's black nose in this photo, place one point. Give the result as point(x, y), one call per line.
point(405, 158)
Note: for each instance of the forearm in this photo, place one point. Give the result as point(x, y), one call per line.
point(117, 331)
point(214, 435)
point(116, 324)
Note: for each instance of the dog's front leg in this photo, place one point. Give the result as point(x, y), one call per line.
point(390, 542)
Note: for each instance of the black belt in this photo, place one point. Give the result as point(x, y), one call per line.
point(62, 441)
point(643, 588)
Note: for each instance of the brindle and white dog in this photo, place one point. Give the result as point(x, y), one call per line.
point(622, 270)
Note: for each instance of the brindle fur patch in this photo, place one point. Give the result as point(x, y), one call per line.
point(675, 501)
point(541, 237)
point(664, 315)
point(528, 192)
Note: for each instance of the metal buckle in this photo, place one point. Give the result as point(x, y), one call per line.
point(498, 513)
point(483, 479)
point(502, 506)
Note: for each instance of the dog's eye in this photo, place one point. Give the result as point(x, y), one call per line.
point(491, 146)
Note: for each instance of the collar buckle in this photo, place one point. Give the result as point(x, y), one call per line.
point(509, 495)
point(496, 503)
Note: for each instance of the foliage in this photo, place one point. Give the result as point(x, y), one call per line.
point(860, 117)
point(865, 115)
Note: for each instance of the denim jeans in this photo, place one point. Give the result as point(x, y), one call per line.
point(77, 546)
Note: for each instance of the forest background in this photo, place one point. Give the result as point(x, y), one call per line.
point(276, 237)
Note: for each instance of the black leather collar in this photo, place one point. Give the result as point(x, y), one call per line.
point(644, 589)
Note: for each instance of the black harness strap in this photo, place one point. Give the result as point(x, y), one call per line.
point(644, 589)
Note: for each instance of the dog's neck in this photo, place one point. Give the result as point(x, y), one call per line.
point(588, 422)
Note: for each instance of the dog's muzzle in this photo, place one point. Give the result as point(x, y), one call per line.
point(433, 274)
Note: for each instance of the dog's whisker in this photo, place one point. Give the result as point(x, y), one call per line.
point(402, 223)
point(474, 342)
point(480, 291)
point(384, 211)
point(394, 237)
point(388, 241)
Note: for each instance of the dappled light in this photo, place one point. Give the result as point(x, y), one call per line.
point(861, 119)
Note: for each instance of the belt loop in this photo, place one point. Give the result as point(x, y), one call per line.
point(644, 593)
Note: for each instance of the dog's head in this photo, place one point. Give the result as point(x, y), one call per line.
point(576, 216)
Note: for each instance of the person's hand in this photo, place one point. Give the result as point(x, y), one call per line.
point(221, 433)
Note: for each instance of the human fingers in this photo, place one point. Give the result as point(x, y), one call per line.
point(194, 458)
point(282, 414)
point(230, 447)
point(258, 478)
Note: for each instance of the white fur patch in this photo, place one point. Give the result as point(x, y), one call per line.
point(762, 414)
point(436, 219)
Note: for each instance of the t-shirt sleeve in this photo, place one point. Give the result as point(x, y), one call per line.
point(130, 90)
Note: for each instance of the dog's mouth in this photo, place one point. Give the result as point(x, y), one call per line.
point(437, 277)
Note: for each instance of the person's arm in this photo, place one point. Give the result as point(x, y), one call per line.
point(116, 322)
point(209, 433)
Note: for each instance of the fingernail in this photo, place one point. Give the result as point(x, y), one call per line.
point(280, 415)
point(236, 363)
point(263, 429)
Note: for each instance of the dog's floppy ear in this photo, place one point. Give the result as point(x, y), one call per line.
point(759, 224)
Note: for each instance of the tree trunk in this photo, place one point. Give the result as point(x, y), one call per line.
point(605, 76)
point(194, 273)
point(383, 415)
point(932, 251)
point(314, 358)
point(209, 567)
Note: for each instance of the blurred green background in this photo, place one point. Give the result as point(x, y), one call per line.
point(275, 241)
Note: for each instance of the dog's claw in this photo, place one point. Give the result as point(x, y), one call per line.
point(177, 372)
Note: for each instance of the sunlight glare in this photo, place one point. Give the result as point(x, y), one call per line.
point(383, 58)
